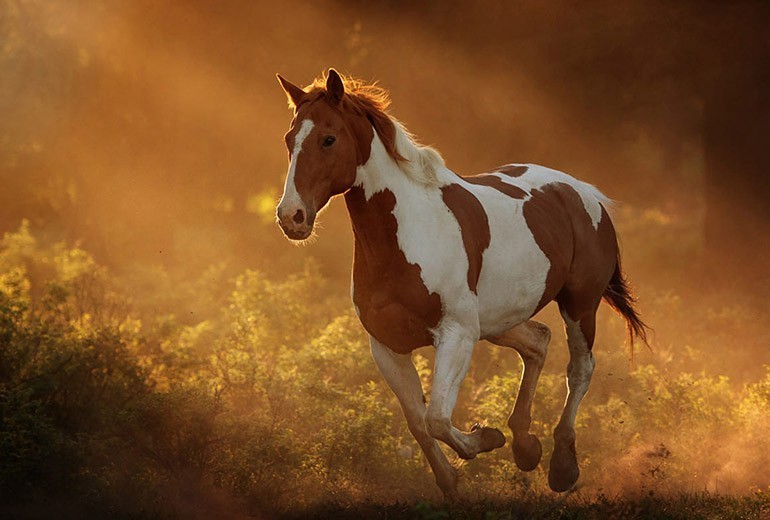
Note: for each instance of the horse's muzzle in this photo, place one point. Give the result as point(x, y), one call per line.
point(297, 223)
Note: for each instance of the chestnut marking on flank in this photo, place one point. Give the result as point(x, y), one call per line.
point(493, 181)
point(592, 261)
point(550, 223)
point(512, 170)
point(395, 306)
point(559, 222)
point(474, 227)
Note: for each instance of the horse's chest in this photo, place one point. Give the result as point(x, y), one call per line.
point(389, 292)
point(393, 303)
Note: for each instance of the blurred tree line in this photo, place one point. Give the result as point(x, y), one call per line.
point(151, 132)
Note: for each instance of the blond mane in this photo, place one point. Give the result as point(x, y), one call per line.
point(418, 162)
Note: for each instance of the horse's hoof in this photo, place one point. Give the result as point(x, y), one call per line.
point(489, 438)
point(527, 452)
point(563, 471)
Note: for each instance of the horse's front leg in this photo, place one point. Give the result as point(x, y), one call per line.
point(400, 374)
point(453, 356)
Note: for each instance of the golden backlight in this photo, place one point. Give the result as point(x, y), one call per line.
point(162, 343)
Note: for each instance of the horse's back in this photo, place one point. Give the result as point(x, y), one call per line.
point(549, 236)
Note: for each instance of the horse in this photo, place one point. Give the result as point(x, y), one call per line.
point(445, 260)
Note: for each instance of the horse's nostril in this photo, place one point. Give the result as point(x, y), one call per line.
point(299, 217)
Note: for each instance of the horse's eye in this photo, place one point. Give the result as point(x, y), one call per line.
point(329, 140)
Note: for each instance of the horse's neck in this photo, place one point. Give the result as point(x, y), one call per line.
point(379, 185)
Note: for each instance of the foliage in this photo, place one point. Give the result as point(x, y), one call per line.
point(271, 402)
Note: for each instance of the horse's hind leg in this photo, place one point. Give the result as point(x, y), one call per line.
point(563, 471)
point(400, 374)
point(530, 339)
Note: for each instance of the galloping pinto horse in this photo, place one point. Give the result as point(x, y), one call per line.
point(446, 260)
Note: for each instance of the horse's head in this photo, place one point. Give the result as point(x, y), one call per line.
point(325, 147)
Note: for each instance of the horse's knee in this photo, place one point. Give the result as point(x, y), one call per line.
point(537, 356)
point(543, 332)
point(419, 431)
point(537, 347)
point(437, 426)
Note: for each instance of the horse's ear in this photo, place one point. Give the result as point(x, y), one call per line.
point(334, 86)
point(293, 92)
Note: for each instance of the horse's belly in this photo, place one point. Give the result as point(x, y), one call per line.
point(513, 276)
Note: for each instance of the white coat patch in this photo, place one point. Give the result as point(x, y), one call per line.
point(291, 198)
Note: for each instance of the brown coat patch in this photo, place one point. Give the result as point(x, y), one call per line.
point(592, 268)
point(395, 306)
point(493, 181)
point(512, 170)
point(474, 227)
point(582, 258)
point(548, 214)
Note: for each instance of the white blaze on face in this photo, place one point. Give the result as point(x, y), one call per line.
point(291, 200)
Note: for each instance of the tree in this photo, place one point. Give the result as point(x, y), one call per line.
point(736, 135)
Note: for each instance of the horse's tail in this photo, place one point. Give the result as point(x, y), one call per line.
point(618, 295)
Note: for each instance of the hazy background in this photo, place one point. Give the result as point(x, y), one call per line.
point(151, 131)
point(149, 134)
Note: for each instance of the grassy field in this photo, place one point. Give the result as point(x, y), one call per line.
point(681, 507)
point(693, 506)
